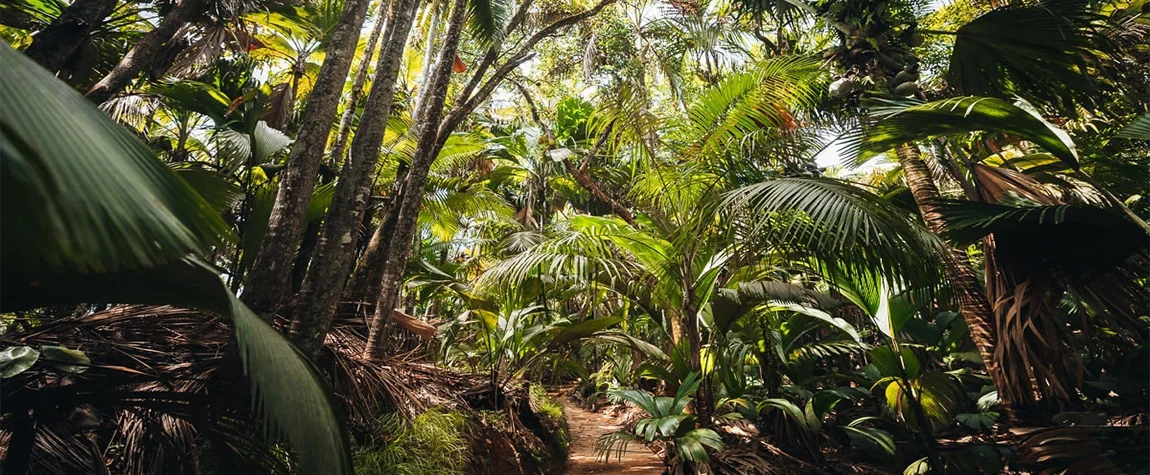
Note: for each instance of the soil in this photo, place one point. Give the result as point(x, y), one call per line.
point(586, 427)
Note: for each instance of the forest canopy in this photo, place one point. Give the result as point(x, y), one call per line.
point(574, 236)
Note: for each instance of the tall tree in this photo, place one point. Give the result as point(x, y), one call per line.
point(408, 209)
point(477, 89)
point(54, 46)
point(972, 300)
point(144, 51)
point(324, 283)
point(357, 85)
point(270, 274)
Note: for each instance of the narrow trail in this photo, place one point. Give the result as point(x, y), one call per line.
point(586, 427)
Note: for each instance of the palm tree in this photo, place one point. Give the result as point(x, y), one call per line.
point(434, 133)
point(331, 264)
point(270, 277)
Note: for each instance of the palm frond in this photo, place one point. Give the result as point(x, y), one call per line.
point(133, 239)
point(1137, 129)
point(1037, 50)
point(91, 200)
point(837, 222)
point(767, 95)
point(486, 19)
point(961, 115)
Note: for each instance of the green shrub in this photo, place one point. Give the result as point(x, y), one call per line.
point(432, 443)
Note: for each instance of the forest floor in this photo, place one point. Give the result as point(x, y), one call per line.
point(586, 427)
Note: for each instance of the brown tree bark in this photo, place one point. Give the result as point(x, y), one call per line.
point(368, 274)
point(430, 143)
point(357, 87)
point(426, 150)
point(972, 300)
point(144, 51)
point(53, 46)
point(324, 283)
point(270, 276)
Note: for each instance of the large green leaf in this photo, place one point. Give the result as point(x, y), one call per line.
point(17, 359)
point(81, 193)
point(1041, 51)
point(91, 216)
point(836, 221)
point(961, 115)
point(584, 329)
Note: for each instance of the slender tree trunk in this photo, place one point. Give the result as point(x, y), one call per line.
point(317, 300)
point(426, 151)
point(369, 273)
point(357, 87)
point(428, 55)
point(53, 46)
point(269, 277)
point(144, 51)
point(972, 301)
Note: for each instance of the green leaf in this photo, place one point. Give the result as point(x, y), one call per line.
point(584, 329)
point(978, 421)
point(1040, 50)
point(91, 199)
point(64, 359)
point(829, 319)
point(961, 115)
point(92, 216)
point(17, 359)
point(836, 221)
point(693, 445)
point(1137, 129)
point(486, 19)
point(871, 439)
point(891, 364)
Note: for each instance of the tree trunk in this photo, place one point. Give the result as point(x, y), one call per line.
point(428, 55)
point(426, 150)
point(357, 88)
point(369, 272)
point(269, 277)
point(144, 51)
point(53, 46)
point(317, 300)
point(972, 301)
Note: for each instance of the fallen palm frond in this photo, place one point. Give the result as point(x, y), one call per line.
point(160, 395)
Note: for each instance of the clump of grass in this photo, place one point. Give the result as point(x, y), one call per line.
point(432, 443)
point(558, 439)
point(544, 405)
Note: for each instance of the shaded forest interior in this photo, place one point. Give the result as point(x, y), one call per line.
point(574, 236)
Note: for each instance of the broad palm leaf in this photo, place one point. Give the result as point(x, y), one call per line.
point(837, 222)
point(1040, 51)
point(92, 216)
point(961, 115)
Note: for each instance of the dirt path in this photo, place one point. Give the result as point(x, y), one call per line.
point(586, 427)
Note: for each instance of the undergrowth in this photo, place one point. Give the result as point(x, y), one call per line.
point(544, 405)
point(432, 443)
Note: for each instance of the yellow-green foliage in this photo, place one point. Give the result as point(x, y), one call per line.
point(554, 419)
point(544, 405)
point(432, 443)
